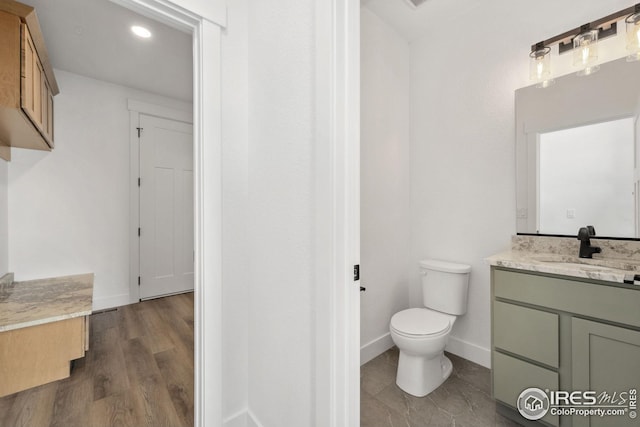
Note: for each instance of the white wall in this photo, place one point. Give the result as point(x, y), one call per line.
point(462, 169)
point(69, 208)
point(234, 214)
point(385, 180)
point(4, 218)
point(462, 173)
point(281, 170)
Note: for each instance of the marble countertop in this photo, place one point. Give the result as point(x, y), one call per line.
point(606, 269)
point(36, 302)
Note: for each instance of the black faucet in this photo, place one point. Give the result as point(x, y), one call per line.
point(584, 235)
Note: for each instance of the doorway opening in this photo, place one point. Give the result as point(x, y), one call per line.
point(205, 37)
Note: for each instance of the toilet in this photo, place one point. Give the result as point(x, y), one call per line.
point(421, 333)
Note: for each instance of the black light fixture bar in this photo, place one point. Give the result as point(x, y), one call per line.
point(606, 27)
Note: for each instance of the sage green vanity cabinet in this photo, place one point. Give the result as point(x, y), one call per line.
point(561, 333)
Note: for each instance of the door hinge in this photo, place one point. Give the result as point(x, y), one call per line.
point(138, 280)
point(138, 231)
point(139, 131)
point(138, 182)
point(356, 272)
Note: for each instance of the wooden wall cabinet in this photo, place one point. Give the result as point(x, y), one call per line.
point(27, 82)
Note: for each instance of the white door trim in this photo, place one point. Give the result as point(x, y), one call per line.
point(207, 144)
point(181, 113)
point(337, 208)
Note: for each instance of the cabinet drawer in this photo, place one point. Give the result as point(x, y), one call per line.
point(601, 301)
point(511, 376)
point(526, 332)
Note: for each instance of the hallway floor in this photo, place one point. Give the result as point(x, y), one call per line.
point(463, 400)
point(138, 372)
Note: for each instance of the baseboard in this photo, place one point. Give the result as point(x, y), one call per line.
point(469, 351)
point(374, 348)
point(110, 302)
point(238, 419)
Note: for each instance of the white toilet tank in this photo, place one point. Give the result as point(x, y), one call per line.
point(445, 285)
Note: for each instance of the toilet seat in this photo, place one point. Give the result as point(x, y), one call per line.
point(421, 322)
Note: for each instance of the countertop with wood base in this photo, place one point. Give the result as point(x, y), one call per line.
point(43, 326)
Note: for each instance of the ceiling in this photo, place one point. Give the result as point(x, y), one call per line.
point(93, 38)
point(533, 20)
point(413, 22)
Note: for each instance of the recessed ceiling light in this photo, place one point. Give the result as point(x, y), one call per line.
point(141, 31)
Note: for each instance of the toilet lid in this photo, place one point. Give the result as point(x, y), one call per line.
point(420, 321)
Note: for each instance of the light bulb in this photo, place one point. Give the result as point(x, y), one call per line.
point(540, 69)
point(585, 52)
point(585, 55)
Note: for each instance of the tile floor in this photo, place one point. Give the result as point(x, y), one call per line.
point(463, 400)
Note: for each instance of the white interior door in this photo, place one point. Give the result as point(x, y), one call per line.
point(166, 207)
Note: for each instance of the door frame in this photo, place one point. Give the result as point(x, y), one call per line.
point(178, 113)
point(204, 21)
point(337, 208)
point(337, 240)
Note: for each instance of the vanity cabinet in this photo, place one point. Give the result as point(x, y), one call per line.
point(559, 333)
point(27, 82)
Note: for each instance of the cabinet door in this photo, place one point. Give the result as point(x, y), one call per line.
point(31, 81)
point(47, 112)
point(605, 358)
point(49, 101)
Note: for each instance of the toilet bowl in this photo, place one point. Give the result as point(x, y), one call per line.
point(422, 366)
point(421, 333)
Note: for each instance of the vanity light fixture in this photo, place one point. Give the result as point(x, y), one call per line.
point(632, 23)
point(141, 32)
point(583, 41)
point(540, 65)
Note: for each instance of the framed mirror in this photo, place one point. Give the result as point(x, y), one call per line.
point(578, 154)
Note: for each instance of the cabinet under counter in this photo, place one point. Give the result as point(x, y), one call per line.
point(44, 325)
point(560, 333)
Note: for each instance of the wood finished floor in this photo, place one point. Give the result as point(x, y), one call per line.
point(138, 372)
